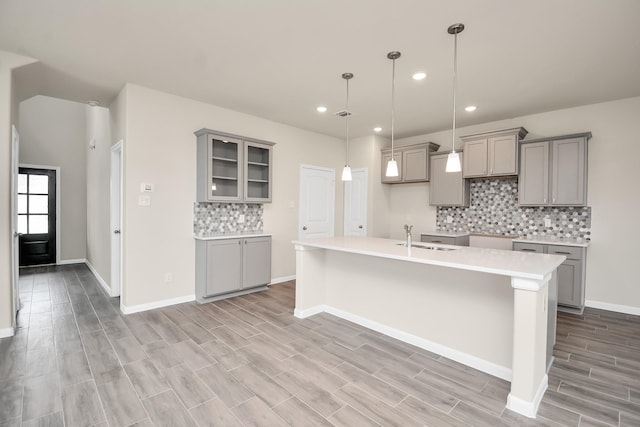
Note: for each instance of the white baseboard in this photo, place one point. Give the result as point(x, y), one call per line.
point(72, 261)
point(156, 304)
point(7, 332)
point(524, 407)
point(99, 278)
point(626, 309)
point(450, 353)
point(282, 279)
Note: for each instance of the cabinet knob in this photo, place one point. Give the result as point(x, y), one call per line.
point(304, 228)
point(360, 227)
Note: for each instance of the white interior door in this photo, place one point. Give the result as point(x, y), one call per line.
point(317, 201)
point(355, 204)
point(116, 218)
point(15, 255)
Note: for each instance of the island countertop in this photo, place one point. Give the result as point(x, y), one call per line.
point(495, 261)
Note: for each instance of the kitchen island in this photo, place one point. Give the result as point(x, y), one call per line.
point(490, 309)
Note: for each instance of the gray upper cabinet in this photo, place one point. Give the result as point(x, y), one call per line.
point(492, 153)
point(447, 188)
point(553, 171)
point(413, 163)
point(232, 168)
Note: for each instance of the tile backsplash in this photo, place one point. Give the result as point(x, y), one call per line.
point(214, 218)
point(494, 209)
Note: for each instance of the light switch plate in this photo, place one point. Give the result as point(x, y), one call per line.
point(146, 188)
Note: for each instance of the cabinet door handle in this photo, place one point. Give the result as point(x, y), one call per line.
point(436, 241)
point(528, 250)
point(562, 253)
point(360, 227)
point(554, 200)
point(239, 242)
point(544, 200)
point(304, 228)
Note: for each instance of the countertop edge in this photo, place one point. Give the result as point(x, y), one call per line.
point(231, 236)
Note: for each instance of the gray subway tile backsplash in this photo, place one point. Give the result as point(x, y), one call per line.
point(218, 218)
point(494, 209)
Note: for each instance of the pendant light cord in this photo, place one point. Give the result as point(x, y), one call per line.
point(347, 121)
point(455, 68)
point(393, 102)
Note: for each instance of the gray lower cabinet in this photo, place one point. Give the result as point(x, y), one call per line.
point(553, 171)
point(571, 273)
point(447, 188)
point(445, 240)
point(227, 267)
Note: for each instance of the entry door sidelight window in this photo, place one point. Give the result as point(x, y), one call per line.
point(33, 204)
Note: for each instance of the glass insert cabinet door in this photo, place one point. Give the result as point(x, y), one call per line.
point(37, 216)
point(225, 169)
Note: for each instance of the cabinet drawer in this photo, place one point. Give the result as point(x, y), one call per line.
point(571, 252)
point(437, 239)
point(528, 247)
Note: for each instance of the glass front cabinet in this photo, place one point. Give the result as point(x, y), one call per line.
point(233, 168)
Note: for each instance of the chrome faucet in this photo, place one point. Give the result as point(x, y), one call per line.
point(408, 228)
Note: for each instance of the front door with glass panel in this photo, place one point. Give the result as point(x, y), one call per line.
point(37, 216)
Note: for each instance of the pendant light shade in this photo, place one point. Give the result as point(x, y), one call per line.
point(392, 165)
point(346, 171)
point(453, 160)
point(392, 168)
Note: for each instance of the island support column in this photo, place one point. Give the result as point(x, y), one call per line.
point(310, 277)
point(529, 377)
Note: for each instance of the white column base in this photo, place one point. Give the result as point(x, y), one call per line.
point(524, 407)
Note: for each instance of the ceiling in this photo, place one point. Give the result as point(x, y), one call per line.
point(279, 59)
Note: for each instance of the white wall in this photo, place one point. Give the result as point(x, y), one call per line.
point(53, 133)
point(612, 191)
point(8, 116)
point(98, 191)
point(160, 148)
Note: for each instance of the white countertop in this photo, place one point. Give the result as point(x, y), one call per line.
point(446, 233)
point(542, 240)
point(496, 261)
point(235, 235)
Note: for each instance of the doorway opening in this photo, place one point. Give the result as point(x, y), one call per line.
point(37, 216)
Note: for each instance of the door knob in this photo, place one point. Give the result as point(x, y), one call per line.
point(360, 227)
point(116, 231)
point(304, 228)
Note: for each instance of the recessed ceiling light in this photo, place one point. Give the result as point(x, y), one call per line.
point(470, 108)
point(377, 129)
point(419, 75)
point(321, 109)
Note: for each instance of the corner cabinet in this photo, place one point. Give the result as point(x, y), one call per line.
point(228, 267)
point(232, 168)
point(447, 188)
point(413, 163)
point(571, 273)
point(492, 153)
point(553, 171)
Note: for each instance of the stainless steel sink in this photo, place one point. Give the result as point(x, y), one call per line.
point(430, 247)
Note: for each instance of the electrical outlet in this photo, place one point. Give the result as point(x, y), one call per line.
point(449, 219)
point(241, 219)
point(168, 277)
point(547, 222)
point(144, 200)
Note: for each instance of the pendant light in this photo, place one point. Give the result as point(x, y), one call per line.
point(346, 171)
point(453, 160)
point(392, 165)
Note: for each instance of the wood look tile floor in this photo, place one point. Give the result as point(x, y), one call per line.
point(76, 361)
